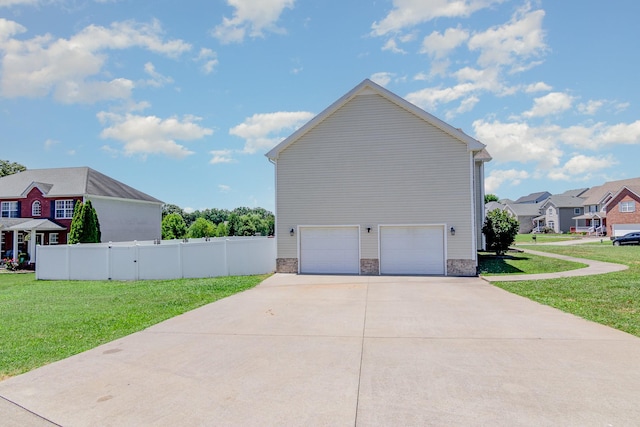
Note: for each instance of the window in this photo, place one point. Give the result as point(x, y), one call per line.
point(628, 206)
point(53, 238)
point(550, 211)
point(10, 210)
point(593, 208)
point(36, 208)
point(576, 211)
point(64, 209)
point(20, 237)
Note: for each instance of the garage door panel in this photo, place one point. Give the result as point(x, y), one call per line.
point(412, 250)
point(329, 250)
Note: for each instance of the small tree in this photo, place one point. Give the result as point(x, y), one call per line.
point(221, 230)
point(85, 227)
point(202, 228)
point(9, 168)
point(173, 227)
point(490, 198)
point(500, 230)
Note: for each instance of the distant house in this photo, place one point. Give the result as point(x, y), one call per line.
point(623, 212)
point(538, 197)
point(376, 185)
point(559, 210)
point(37, 207)
point(599, 202)
point(525, 213)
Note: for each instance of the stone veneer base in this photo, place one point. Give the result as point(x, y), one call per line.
point(461, 267)
point(369, 267)
point(286, 265)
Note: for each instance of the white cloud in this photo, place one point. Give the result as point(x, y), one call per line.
point(382, 78)
point(581, 167)
point(599, 135)
point(224, 188)
point(251, 16)
point(145, 135)
point(429, 98)
point(221, 156)
point(465, 106)
point(71, 69)
point(518, 142)
point(392, 45)
point(157, 79)
point(8, 3)
point(520, 39)
point(408, 13)
point(551, 103)
point(537, 87)
point(209, 60)
point(591, 107)
point(439, 45)
point(498, 177)
point(263, 131)
point(50, 143)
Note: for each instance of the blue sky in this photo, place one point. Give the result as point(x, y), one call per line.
point(182, 99)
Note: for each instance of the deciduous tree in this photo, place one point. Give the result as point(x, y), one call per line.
point(173, 227)
point(500, 230)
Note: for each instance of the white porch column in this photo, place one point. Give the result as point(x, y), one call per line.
point(32, 246)
point(15, 245)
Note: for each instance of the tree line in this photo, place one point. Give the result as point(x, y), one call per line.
point(242, 221)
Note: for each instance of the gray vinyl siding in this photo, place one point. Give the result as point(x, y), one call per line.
point(371, 163)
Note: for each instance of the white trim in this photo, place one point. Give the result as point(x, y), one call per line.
point(86, 197)
point(445, 240)
point(299, 234)
point(366, 87)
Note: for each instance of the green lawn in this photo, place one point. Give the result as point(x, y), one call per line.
point(522, 263)
point(45, 321)
point(527, 239)
point(610, 299)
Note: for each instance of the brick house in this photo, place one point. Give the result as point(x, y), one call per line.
point(36, 208)
point(623, 212)
point(599, 205)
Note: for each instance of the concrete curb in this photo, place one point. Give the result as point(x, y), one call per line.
point(593, 268)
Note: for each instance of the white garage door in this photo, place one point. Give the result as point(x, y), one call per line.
point(412, 250)
point(329, 250)
point(622, 229)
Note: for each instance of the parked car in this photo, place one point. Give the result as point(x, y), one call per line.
point(627, 239)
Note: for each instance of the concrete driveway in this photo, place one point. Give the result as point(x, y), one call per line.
point(345, 351)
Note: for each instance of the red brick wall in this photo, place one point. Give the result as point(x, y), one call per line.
point(614, 216)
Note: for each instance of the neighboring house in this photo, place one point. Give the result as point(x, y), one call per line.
point(375, 185)
point(559, 210)
point(538, 197)
point(525, 213)
point(623, 212)
point(596, 201)
point(37, 207)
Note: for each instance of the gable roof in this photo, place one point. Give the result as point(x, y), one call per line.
point(66, 182)
point(634, 195)
point(595, 195)
point(524, 209)
point(369, 87)
point(534, 197)
point(574, 193)
point(563, 201)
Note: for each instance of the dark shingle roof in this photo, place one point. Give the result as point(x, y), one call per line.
point(62, 182)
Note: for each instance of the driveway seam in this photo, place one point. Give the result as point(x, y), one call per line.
point(364, 329)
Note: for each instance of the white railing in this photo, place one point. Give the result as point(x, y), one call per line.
point(166, 259)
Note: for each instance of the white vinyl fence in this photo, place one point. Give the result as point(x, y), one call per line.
point(165, 259)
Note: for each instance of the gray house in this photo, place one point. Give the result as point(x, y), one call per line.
point(376, 185)
point(559, 210)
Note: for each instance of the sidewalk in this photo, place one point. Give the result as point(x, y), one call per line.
point(593, 267)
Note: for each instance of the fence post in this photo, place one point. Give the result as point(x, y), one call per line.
point(181, 264)
point(135, 260)
point(226, 258)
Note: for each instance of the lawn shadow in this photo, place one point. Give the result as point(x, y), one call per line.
point(498, 264)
